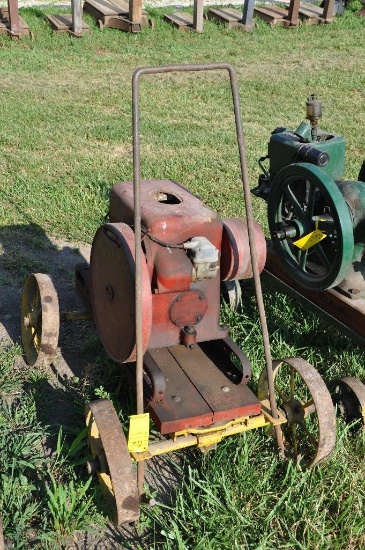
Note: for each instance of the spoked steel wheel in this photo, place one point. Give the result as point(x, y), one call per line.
point(40, 319)
point(348, 395)
point(310, 431)
point(112, 462)
point(304, 198)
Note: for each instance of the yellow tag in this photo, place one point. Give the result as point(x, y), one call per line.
point(310, 240)
point(139, 432)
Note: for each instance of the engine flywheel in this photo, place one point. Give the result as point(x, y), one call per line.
point(311, 226)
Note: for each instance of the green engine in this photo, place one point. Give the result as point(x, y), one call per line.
point(316, 218)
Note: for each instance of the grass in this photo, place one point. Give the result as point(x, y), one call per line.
point(65, 139)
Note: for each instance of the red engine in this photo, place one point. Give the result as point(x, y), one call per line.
point(188, 251)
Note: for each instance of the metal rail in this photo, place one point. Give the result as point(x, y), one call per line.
point(250, 223)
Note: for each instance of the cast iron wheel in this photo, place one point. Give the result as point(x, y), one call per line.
point(310, 431)
point(348, 395)
point(300, 195)
point(112, 462)
point(40, 319)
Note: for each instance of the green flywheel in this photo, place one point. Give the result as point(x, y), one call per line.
point(311, 226)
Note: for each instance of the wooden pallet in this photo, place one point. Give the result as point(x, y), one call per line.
point(187, 22)
point(297, 12)
point(115, 15)
point(276, 16)
point(15, 28)
point(64, 23)
point(230, 18)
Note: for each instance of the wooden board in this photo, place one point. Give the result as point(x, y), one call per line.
point(230, 18)
point(202, 387)
point(183, 21)
point(273, 15)
point(63, 23)
point(114, 15)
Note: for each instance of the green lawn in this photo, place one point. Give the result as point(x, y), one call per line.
point(65, 137)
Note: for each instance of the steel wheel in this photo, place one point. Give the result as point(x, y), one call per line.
point(310, 431)
point(348, 395)
point(40, 319)
point(112, 462)
point(301, 196)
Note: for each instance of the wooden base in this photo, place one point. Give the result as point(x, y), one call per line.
point(203, 386)
point(182, 21)
point(63, 23)
point(114, 16)
point(230, 18)
point(311, 14)
point(5, 25)
point(275, 16)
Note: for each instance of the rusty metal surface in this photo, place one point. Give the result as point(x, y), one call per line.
point(112, 281)
point(115, 471)
point(310, 432)
point(188, 308)
point(40, 319)
point(348, 394)
point(235, 253)
point(339, 310)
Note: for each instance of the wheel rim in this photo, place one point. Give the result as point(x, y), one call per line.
point(114, 468)
point(310, 431)
point(348, 395)
point(299, 193)
point(40, 320)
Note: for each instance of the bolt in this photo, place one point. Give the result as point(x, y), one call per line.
point(176, 398)
point(354, 290)
point(176, 322)
point(178, 299)
point(110, 292)
point(225, 389)
point(198, 318)
point(201, 296)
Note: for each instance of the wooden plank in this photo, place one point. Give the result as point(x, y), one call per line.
point(104, 7)
point(63, 23)
point(227, 399)
point(183, 406)
point(183, 21)
point(273, 15)
point(229, 17)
